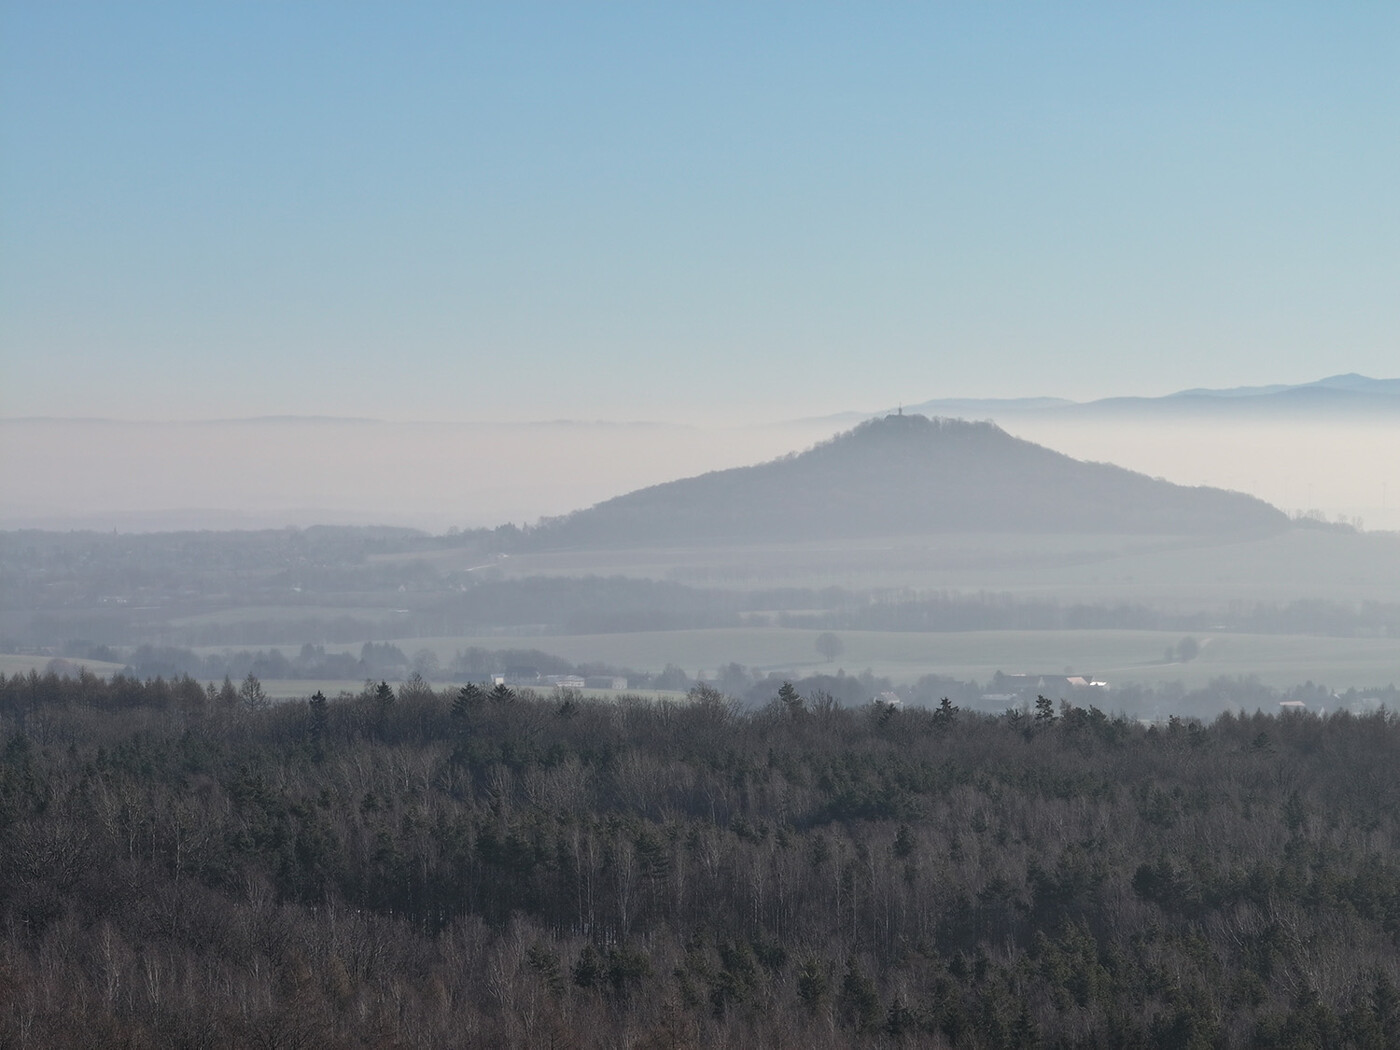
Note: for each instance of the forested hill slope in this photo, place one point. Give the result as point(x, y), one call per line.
point(905, 475)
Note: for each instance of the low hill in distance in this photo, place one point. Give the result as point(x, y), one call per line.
point(908, 474)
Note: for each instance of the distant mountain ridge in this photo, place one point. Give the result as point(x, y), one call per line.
point(1348, 394)
point(907, 475)
point(1350, 381)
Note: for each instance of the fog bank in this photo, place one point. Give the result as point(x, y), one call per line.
point(292, 471)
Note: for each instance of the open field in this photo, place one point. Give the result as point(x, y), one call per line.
point(1166, 571)
point(23, 663)
point(1120, 657)
point(239, 614)
point(1172, 574)
point(428, 605)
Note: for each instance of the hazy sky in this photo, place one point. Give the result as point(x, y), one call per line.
point(467, 211)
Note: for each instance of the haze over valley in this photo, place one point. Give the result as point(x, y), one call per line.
point(932, 550)
point(1337, 456)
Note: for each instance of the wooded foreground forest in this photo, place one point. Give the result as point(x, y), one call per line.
point(473, 868)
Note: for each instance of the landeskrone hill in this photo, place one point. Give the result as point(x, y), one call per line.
point(908, 475)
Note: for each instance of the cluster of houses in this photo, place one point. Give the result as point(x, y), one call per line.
point(1013, 688)
point(529, 678)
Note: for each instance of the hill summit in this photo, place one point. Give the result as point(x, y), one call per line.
point(908, 475)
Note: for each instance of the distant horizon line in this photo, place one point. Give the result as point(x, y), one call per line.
point(1343, 382)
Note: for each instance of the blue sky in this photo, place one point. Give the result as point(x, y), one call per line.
point(459, 212)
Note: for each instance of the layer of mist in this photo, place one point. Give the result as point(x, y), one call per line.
point(269, 473)
point(1333, 469)
point(154, 476)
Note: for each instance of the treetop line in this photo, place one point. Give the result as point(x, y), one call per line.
point(403, 867)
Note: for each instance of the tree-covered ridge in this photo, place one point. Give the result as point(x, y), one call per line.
point(909, 475)
point(485, 868)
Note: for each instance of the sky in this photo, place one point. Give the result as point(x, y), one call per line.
point(475, 212)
